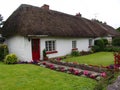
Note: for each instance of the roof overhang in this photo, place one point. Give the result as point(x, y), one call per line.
point(37, 36)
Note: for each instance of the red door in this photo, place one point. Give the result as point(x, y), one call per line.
point(36, 49)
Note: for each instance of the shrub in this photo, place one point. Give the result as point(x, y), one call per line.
point(100, 43)
point(95, 48)
point(112, 49)
point(85, 52)
point(44, 53)
point(116, 42)
point(3, 51)
point(105, 42)
point(11, 59)
point(75, 53)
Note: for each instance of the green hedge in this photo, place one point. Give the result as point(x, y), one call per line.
point(3, 51)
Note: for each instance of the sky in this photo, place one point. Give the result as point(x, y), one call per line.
point(104, 10)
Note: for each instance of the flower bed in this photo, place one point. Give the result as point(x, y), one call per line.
point(74, 71)
point(80, 66)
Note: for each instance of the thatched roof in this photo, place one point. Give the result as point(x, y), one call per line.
point(31, 20)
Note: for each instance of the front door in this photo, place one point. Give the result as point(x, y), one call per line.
point(36, 49)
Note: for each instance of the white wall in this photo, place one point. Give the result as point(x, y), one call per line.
point(21, 47)
point(64, 46)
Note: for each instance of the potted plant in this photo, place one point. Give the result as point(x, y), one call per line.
point(44, 55)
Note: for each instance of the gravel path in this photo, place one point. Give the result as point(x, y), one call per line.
point(115, 85)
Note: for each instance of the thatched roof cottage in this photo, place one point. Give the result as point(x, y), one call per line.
point(30, 30)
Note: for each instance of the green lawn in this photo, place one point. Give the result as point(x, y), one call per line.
point(32, 77)
point(100, 58)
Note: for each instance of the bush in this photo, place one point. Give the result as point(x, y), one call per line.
point(11, 59)
point(75, 53)
point(108, 49)
point(44, 53)
point(105, 42)
point(3, 51)
point(95, 48)
point(85, 52)
point(116, 42)
point(100, 43)
point(112, 49)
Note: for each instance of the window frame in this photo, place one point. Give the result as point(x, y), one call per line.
point(74, 45)
point(90, 41)
point(50, 46)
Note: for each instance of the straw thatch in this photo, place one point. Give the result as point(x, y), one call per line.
point(31, 20)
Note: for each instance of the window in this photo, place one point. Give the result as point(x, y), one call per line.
point(90, 42)
point(50, 45)
point(74, 44)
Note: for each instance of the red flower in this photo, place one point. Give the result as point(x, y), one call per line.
point(103, 74)
point(62, 70)
point(92, 76)
point(76, 72)
point(85, 72)
point(71, 69)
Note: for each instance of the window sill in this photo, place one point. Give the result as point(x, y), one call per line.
point(51, 52)
point(74, 49)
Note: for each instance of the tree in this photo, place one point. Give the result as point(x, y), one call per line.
point(118, 29)
point(1, 20)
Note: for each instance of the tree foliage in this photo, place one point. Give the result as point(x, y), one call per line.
point(118, 29)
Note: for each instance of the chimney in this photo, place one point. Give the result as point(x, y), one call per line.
point(45, 6)
point(78, 15)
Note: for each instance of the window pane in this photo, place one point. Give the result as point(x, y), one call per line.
point(53, 45)
point(46, 45)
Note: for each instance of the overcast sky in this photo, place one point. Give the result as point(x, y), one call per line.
point(103, 10)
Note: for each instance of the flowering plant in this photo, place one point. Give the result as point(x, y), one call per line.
point(73, 71)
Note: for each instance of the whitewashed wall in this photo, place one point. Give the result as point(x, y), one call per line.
point(21, 47)
point(64, 46)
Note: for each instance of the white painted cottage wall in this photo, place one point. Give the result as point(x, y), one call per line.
point(64, 46)
point(21, 47)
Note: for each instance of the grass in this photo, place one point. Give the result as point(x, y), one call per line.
point(32, 77)
point(100, 58)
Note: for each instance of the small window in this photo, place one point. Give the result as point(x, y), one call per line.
point(74, 44)
point(90, 42)
point(50, 45)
